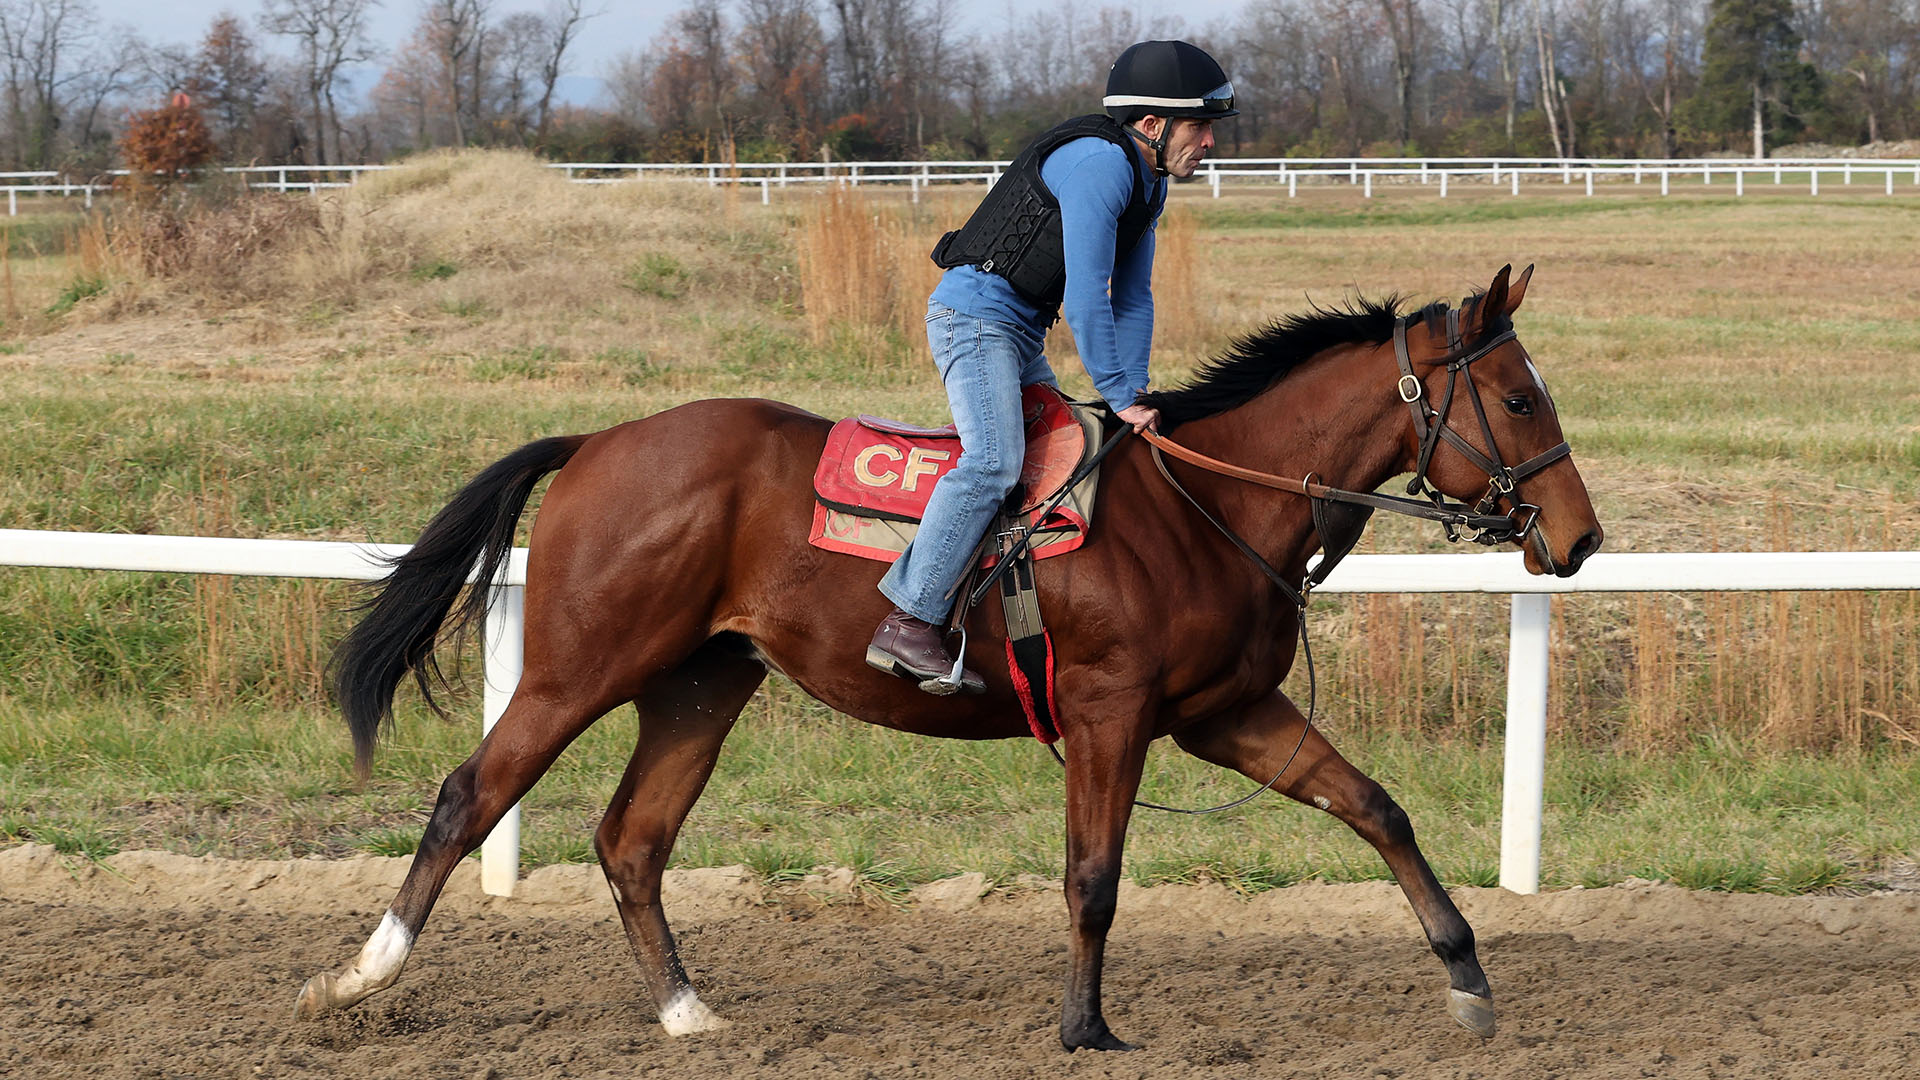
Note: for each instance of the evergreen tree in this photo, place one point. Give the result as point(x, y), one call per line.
point(1753, 71)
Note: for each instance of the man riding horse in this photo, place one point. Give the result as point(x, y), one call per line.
point(1067, 230)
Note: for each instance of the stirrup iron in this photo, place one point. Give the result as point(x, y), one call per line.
point(955, 681)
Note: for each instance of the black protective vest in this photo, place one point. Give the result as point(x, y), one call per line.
point(1015, 232)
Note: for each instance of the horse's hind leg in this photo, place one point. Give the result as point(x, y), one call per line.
point(684, 716)
point(538, 723)
point(1259, 741)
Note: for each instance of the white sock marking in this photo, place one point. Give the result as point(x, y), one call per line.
point(379, 963)
point(686, 1014)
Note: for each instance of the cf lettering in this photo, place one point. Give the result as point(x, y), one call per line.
point(863, 466)
point(921, 462)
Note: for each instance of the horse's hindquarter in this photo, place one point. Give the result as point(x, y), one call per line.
point(691, 523)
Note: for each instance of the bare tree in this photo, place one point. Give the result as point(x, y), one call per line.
point(1472, 27)
point(628, 77)
point(329, 34)
point(38, 43)
point(518, 59)
point(1668, 28)
point(1503, 38)
point(561, 26)
point(110, 70)
point(457, 30)
point(229, 78)
point(783, 55)
point(1401, 24)
point(1553, 94)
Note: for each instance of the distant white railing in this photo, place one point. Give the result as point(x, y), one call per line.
point(1523, 793)
point(918, 176)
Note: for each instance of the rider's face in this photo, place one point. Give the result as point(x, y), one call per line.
point(1188, 143)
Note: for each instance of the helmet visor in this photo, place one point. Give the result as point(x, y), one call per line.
point(1218, 100)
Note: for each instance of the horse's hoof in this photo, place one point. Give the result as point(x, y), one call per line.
point(1102, 1040)
point(686, 1014)
point(316, 998)
point(1471, 1011)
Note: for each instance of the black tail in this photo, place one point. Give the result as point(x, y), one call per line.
point(409, 613)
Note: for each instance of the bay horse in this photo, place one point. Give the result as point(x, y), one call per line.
point(669, 567)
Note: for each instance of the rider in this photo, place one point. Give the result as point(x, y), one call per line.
point(1068, 228)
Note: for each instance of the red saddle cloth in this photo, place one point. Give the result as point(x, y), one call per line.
point(875, 477)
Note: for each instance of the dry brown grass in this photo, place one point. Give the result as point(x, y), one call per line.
point(865, 269)
point(864, 275)
point(477, 252)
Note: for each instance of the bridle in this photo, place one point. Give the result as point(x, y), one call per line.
point(1483, 524)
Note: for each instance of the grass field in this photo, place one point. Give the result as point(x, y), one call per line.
point(1733, 375)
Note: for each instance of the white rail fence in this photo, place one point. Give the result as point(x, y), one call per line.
point(1523, 792)
point(917, 176)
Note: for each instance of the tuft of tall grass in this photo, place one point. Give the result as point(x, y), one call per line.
point(1185, 319)
point(864, 277)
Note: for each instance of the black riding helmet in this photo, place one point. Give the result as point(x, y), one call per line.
point(1170, 79)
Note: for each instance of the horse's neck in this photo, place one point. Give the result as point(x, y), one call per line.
point(1336, 418)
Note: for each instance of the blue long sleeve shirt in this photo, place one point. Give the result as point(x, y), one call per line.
point(1108, 303)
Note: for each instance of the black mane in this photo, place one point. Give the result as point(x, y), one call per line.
point(1257, 361)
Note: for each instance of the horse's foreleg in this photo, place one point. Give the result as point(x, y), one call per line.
point(474, 797)
point(1259, 740)
point(1103, 775)
point(684, 717)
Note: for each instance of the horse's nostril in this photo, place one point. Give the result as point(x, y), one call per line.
point(1584, 547)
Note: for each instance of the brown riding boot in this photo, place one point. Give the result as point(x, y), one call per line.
point(916, 649)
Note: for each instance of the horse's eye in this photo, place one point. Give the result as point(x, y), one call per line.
point(1519, 406)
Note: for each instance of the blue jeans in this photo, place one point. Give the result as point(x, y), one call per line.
point(984, 363)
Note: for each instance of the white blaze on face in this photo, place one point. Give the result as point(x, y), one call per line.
point(379, 963)
point(686, 1014)
point(1539, 383)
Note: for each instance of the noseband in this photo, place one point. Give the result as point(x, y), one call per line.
point(1482, 524)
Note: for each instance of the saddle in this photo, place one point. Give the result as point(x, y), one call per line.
point(875, 476)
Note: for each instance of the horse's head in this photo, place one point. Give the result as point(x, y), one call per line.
point(1484, 429)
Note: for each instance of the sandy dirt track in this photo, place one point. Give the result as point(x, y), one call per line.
point(163, 966)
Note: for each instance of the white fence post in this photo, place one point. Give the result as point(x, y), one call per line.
point(1443, 185)
point(1366, 191)
point(1524, 792)
point(500, 851)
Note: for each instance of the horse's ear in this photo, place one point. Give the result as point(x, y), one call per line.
point(1517, 291)
point(1491, 301)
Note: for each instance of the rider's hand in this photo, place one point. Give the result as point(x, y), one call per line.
point(1141, 417)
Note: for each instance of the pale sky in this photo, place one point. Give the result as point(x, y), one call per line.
point(623, 26)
